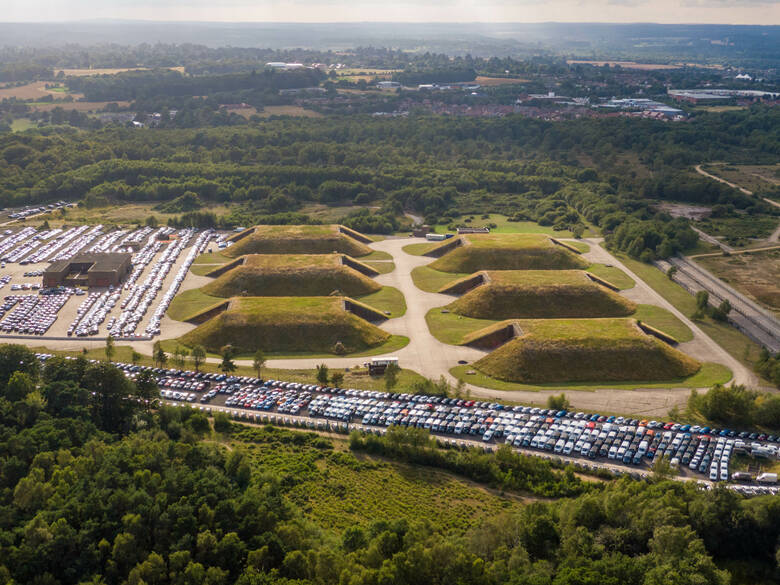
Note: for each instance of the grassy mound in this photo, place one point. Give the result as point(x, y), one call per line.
point(286, 324)
point(296, 239)
point(273, 275)
point(584, 350)
point(506, 252)
point(539, 294)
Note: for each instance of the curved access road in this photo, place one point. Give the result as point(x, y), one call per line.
point(425, 354)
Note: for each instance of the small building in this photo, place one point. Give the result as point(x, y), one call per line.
point(90, 270)
point(421, 231)
point(388, 85)
point(473, 230)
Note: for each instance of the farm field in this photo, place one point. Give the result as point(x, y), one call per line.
point(89, 107)
point(297, 111)
point(32, 91)
point(339, 489)
point(106, 71)
point(756, 275)
point(493, 81)
point(641, 66)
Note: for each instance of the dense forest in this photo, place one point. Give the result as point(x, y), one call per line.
point(97, 486)
point(438, 167)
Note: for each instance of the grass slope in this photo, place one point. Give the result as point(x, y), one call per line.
point(612, 275)
point(337, 489)
point(273, 275)
point(295, 239)
point(286, 324)
point(507, 252)
point(540, 294)
point(582, 350)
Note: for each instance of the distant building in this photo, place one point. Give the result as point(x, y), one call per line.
point(91, 270)
point(388, 85)
point(473, 230)
point(280, 65)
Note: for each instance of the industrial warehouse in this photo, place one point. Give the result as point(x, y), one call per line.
point(90, 270)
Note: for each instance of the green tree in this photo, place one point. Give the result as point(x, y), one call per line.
point(322, 374)
point(258, 362)
point(135, 357)
point(19, 386)
point(110, 349)
point(559, 402)
point(337, 379)
point(227, 364)
point(391, 376)
point(198, 356)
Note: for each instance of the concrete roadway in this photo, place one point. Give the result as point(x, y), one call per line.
point(761, 324)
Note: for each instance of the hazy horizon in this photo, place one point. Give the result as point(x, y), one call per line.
point(742, 12)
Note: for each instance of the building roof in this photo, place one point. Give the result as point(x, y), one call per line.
point(106, 262)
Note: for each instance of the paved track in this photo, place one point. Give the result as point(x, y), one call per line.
point(757, 322)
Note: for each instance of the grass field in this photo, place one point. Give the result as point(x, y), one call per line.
point(387, 299)
point(338, 489)
point(612, 275)
point(106, 71)
point(738, 345)
point(420, 248)
point(430, 280)
point(663, 320)
point(709, 375)
point(296, 111)
point(286, 325)
point(189, 303)
point(272, 275)
point(381, 266)
point(540, 294)
point(77, 106)
point(296, 239)
point(584, 350)
point(503, 226)
point(581, 247)
point(507, 252)
point(750, 177)
point(22, 124)
point(756, 275)
point(451, 328)
point(126, 214)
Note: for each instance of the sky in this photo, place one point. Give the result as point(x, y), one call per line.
point(661, 11)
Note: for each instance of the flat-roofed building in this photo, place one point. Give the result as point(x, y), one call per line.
point(90, 270)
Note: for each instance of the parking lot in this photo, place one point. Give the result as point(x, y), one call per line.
point(591, 440)
point(133, 310)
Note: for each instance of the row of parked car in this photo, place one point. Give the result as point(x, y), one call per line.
point(93, 312)
point(153, 328)
point(28, 211)
point(622, 440)
point(32, 314)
